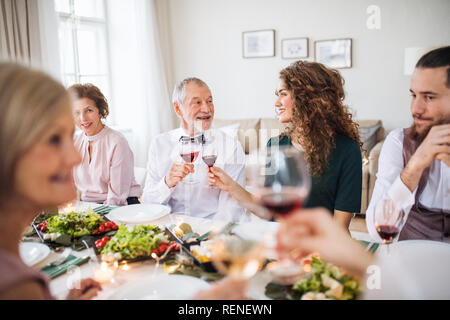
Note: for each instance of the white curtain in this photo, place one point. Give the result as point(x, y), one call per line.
point(140, 92)
point(28, 34)
point(19, 36)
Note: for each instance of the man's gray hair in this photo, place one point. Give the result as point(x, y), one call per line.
point(179, 92)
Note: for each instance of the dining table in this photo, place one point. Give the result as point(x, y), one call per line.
point(143, 279)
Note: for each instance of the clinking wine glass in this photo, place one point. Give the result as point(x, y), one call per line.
point(189, 151)
point(209, 154)
point(280, 180)
point(388, 220)
point(281, 183)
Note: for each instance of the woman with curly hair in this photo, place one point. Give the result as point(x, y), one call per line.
point(310, 101)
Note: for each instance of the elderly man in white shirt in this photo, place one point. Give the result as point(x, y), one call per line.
point(414, 163)
point(167, 173)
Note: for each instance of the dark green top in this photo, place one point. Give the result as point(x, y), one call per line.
point(339, 186)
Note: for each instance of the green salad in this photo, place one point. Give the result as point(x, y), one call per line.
point(75, 224)
point(134, 242)
point(326, 281)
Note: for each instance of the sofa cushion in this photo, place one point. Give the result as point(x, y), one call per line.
point(231, 130)
point(247, 133)
point(370, 132)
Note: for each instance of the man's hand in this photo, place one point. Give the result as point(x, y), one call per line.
point(177, 172)
point(436, 146)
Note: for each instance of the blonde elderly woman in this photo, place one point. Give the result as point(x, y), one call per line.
point(37, 157)
point(106, 172)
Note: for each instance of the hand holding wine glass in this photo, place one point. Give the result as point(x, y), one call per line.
point(189, 151)
point(209, 155)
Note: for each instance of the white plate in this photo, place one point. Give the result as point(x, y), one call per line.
point(261, 231)
point(33, 253)
point(425, 266)
point(164, 287)
point(138, 213)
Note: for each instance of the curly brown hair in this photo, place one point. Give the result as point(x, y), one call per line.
point(319, 113)
point(92, 92)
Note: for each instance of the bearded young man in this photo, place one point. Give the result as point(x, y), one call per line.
point(414, 163)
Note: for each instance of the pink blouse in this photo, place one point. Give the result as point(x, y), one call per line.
point(109, 176)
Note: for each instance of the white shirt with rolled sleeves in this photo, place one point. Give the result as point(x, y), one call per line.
point(199, 200)
point(436, 194)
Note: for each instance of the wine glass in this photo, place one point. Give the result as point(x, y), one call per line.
point(388, 220)
point(281, 182)
point(236, 257)
point(189, 151)
point(209, 154)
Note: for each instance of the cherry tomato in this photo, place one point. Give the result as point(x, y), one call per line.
point(106, 238)
point(101, 228)
point(97, 243)
point(162, 247)
point(115, 227)
point(107, 229)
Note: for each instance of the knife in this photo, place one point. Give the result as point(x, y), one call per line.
point(76, 261)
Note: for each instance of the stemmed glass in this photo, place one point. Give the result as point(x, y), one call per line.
point(280, 180)
point(189, 151)
point(388, 220)
point(281, 183)
point(236, 257)
point(209, 154)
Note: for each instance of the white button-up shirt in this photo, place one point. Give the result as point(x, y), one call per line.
point(199, 200)
point(436, 194)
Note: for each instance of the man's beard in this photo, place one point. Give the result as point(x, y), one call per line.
point(420, 136)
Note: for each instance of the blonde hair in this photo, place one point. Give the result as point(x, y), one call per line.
point(29, 102)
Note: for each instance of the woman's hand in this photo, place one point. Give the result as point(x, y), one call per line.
point(218, 178)
point(89, 289)
point(227, 289)
point(314, 230)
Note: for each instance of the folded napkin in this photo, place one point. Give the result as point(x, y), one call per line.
point(71, 261)
point(374, 245)
point(104, 209)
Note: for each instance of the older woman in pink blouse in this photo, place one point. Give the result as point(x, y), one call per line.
point(106, 172)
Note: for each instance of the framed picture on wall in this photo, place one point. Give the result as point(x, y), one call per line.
point(335, 53)
point(258, 44)
point(294, 48)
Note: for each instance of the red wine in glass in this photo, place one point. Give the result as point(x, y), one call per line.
point(387, 233)
point(190, 157)
point(210, 160)
point(282, 203)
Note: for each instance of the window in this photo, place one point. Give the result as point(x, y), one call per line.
point(83, 43)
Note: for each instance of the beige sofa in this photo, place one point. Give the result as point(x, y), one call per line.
point(254, 133)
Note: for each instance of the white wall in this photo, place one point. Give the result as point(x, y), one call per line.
point(206, 40)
